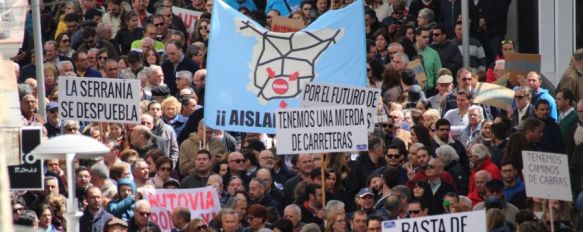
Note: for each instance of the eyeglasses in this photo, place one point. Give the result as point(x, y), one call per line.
point(390, 156)
point(436, 34)
point(506, 41)
point(204, 27)
point(201, 227)
point(53, 111)
point(16, 210)
point(431, 166)
point(66, 41)
point(414, 211)
point(102, 57)
point(164, 169)
point(145, 214)
point(71, 129)
point(388, 126)
point(238, 161)
point(159, 24)
point(519, 97)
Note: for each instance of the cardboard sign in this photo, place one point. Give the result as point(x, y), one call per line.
point(9, 92)
point(29, 175)
point(322, 129)
point(546, 175)
point(521, 64)
point(417, 66)
point(99, 99)
point(474, 221)
point(189, 17)
point(202, 202)
point(284, 24)
point(493, 95)
point(318, 94)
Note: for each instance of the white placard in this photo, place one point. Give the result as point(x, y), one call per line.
point(474, 221)
point(322, 129)
point(99, 99)
point(546, 175)
point(189, 17)
point(319, 94)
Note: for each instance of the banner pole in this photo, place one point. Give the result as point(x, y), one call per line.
point(324, 158)
point(551, 214)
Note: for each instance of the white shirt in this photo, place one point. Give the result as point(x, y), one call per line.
point(562, 115)
point(458, 122)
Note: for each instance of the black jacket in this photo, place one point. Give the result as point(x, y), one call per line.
point(170, 73)
point(461, 176)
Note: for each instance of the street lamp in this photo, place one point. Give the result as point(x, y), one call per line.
point(69, 147)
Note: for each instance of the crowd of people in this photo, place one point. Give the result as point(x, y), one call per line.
point(437, 152)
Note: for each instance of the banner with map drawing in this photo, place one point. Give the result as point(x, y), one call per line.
point(253, 72)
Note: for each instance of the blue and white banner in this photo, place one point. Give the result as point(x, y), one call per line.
point(252, 72)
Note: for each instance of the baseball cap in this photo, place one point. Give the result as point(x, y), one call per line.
point(160, 91)
point(52, 105)
point(365, 191)
point(116, 221)
point(445, 79)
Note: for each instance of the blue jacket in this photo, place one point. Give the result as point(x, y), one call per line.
point(281, 6)
point(249, 4)
point(123, 207)
point(90, 223)
point(544, 94)
point(510, 191)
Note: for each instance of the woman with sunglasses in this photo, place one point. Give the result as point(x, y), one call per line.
point(64, 48)
point(198, 225)
point(163, 170)
point(102, 56)
point(201, 34)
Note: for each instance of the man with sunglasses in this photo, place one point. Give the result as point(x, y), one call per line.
point(439, 188)
point(524, 109)
point(417, 208)
point(54, 124)
point(140, 221)
point(449, 54)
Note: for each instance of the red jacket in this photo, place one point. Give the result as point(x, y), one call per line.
point(487, 165)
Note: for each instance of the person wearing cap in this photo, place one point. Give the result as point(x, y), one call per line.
point(115, 225)
point(121, 205)
point(431, 60)
point(444, 86)
point(94, 217)
point(365, 200)
point(54, 124)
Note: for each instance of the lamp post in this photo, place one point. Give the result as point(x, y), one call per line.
point(70, 147)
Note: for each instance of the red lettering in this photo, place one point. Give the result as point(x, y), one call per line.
point(182, 199)
point(194, 199)
point(152, 199)
point(170, 198)
point(210, 200)
point(206, 217)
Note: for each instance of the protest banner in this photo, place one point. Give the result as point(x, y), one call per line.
point(284, 24)
point(12, 19)
point(29, 174)
point(420, 75)
point(545, 171)
point(493, 95)
point(99, 99)
point(473, 221)
point(269, 69)
point(319, 94)
point(520, 64)
point(202, 202)
point(322, 129)
point(189, 17)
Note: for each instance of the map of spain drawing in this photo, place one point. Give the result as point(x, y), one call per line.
point(253, 71)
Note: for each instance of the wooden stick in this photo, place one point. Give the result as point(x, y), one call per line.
point(323, 167)
point(551, 214)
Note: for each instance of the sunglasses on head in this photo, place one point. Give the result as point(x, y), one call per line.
point(506, 41)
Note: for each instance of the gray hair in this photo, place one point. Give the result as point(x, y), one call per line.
point(226, 211)
point(185, 74)
point(152, 69)
point(310, 227)
point(135, 163)
point(403, 56)
point(398, 45)
point(404, 190)
point(447, 154)
point(100, 170)
point(479, 109)
point(334, 206)
point(525, 89)
point(102, 26)
point(480, 150)
point(295, 208)
point(416, 146)
point(427, 14)
point(148, 40)
point(217, 176)
point(64, 62)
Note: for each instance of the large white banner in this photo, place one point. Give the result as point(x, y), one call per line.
point(318, 94)
point(203, 203)
point(99, 99)
point(546, 175)
point(189, 17)
point(474, 221)
point(322, 129)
